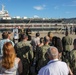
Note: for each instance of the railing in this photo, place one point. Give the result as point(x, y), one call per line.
point(35, 25)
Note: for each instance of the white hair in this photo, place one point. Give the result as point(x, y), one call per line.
point(52, 52)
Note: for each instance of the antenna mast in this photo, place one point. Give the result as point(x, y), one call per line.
point(3, 7)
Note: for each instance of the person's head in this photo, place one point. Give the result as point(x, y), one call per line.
point(52, 53)
point(74, 43)
point(5, 35)
point(59, 45)
point(41, 40)
point(37, 34)
point(50, 35)
point(46, 40)
point(54, 40)
point(57, 42)
point(8, 55)
point(24, 37)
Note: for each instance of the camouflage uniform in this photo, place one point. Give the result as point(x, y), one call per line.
point(73, 61)
point(43, 60)
point(66, 41)
point(24, 52)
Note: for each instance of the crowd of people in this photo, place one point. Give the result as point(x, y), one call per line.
point(48, 55)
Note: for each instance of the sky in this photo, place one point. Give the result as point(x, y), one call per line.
point(40, 8)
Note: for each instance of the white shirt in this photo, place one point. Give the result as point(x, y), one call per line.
point(54, 67)
point(15, 33)
point(35, 42)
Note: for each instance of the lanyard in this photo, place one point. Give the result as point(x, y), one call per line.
point(52, 61)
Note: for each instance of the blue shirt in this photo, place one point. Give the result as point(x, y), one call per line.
point(2, 43)
point(54, 67)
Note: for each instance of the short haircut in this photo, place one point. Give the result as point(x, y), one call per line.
point(37, 34)
point(23, 36)
point(52, 51)
point(5, 35)
point(46, 39)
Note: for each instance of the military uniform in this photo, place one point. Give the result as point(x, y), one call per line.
point(24, 52)
point(67, 42)
point(43, 60)
point(73, 61)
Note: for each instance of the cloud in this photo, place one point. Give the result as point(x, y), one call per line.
point(39, 7)
point(36, 16)
point(56, 7)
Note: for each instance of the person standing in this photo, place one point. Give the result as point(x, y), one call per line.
point(35, 42)
point(24, 52)
point(5, 38)
point(54, 66)
point(39, 54)
point(57, 42)
point(28, 33)
point(9, 63)
point(66, 42)
point(43, 60)
point(73, 58)
point(50, 35)
point(15, 35)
